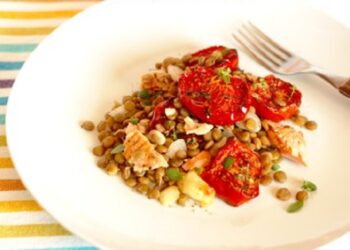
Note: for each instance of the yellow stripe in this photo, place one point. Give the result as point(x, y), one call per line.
point(32, 230)
point(3, 141)
point(11, 185)
point(26, 31)
point(17, 206)
point(38, 14)
point(6, 163)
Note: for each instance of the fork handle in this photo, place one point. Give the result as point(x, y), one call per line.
point(340, 82)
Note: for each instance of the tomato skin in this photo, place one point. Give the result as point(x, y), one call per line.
point(263, 99)
point(211, 99)
point(230, 59)
point(159, 113)
point(226, 183)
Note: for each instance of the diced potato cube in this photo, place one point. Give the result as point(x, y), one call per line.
point(194, 186)
point(169, 195)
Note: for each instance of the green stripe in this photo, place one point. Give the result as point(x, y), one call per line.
point(2, 119)
point(26, 47)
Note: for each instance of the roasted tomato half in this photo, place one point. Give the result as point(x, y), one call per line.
point(275, 99)
point(217, 56)
point(214, 95)
point(234, 173)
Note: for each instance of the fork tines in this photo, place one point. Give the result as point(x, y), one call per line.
point(261, 47)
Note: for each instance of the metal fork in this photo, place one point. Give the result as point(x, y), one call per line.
point(281, 61)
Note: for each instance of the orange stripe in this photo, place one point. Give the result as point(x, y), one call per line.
point(6, 163)
point(38, 14)
point(17, 206)
point(32, 230)
point(11, 185)
point(3, 141)
point(26, 31)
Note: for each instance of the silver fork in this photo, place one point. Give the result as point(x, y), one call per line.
point(281, 61)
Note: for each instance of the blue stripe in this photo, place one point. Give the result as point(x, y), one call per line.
point(11, 65)
point(3, 100)
point(2, 119)
point(27, 47)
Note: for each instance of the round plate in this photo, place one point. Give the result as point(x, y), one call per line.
point(98, 57)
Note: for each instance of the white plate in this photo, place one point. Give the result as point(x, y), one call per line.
point(86, 64)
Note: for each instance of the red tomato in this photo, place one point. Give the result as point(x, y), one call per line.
point(159, 113)
point(213, 99)
point(236, 183)
point(275, 99)
point(229, 56)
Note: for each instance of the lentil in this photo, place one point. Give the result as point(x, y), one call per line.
point(193, 152)
point(108, 141)
point(257, 143)
point(131, 182)
point(161, 149)
point(112, 169)
point(216, 134)
point(144, 180)
point(207, 136)
point(299, 120)
point(244, 136)
point(311, 125)
point(265, 180)
point(208, 145)
point(153, 193)
point(129, 105)
point(98, 150)
point(280, 176)
point(142, 188)
point(302, 196)
point(126, 173)
point(102, 125)
point(88, 125)
point(102, 163)
point(265, 141)
point(193, 145)
point(184, 112)
point(283, 194)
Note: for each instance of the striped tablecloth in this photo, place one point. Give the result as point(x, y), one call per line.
point(23, 223)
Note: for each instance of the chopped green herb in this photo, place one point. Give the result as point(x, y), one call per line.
point(224, 74)
point(118, 149)
point(173, 174)
point(147, 102)
point(251, 180)
point(170, 124)
point(174, 135)
point(143, 94)
point(192, 140)
point(255, 85)
point(309, 186)
point(295, 207)
point(224, 52)
point(134, 120)
point(275, 167)
point(228, 162)
point(264, 85)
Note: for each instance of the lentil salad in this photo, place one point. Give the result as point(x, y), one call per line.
point(201, 127)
